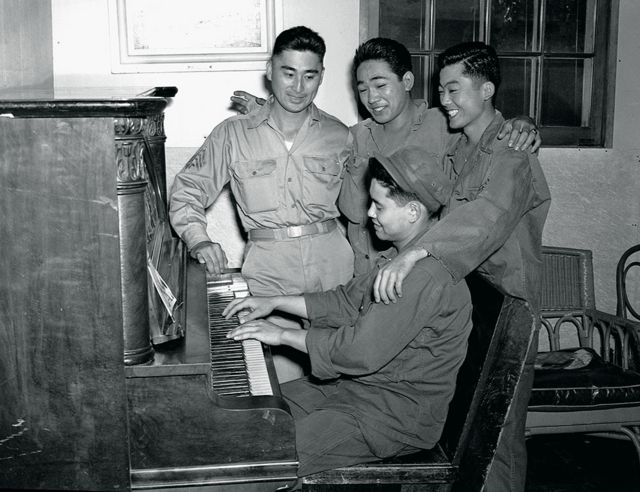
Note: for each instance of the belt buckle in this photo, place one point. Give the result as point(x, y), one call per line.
point(294, 231)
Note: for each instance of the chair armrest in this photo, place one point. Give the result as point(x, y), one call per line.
point(619, 338)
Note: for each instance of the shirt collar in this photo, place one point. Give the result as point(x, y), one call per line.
point(489, 135)
point(262, 114)
point(392, 252)
point(486, 140)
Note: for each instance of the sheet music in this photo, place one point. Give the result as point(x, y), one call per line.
point(168, 299)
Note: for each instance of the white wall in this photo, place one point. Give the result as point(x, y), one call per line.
point(627, 108)
point(82, 53)
point(25, 45)
point(594, 206)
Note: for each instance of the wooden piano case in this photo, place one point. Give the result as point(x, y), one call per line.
point(77, 313)
point(85, 401)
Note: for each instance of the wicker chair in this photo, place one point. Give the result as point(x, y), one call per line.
point(587, 377)
point(626, 307)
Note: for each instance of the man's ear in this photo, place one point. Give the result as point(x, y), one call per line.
point(488, 90)
point(414, 211)
point(408, 79)
point(321, 75)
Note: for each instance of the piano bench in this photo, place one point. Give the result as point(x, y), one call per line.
point(503, 327)
point(396, 474)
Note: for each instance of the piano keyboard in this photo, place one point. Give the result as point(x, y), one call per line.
point(237, 368)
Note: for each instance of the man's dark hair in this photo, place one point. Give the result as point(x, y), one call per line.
point(378, 172)
point(384, 49)
point(479, 60)
point(300, 38)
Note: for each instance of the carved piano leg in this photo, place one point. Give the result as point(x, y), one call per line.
point(133, 251)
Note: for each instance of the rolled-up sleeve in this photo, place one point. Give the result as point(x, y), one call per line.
point(354, 194)
point(198, 185)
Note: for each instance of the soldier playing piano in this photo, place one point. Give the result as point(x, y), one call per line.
point(383, 373)
point(284, 164)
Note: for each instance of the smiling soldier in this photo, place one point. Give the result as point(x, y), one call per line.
point(284, 164)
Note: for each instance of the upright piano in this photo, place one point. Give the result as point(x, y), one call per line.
point(114, 374)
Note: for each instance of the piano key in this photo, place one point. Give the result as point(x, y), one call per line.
point(237, 368)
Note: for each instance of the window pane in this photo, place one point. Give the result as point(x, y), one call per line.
point(456, 22)
point(565, 25)
point(513, 25)
point(402, 20)
point(553, 65)
point(419, 87)
point(514, 93)
point(562, 92)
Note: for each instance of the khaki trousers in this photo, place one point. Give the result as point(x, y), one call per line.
point(312, 263)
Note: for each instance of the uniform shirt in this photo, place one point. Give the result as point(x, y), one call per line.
point(273, 187)
point(500, 232)
point(429, 130)
point(399, 360)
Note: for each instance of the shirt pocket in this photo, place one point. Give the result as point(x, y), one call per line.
point(321, 180)
point(467, 193)
point(256, 188)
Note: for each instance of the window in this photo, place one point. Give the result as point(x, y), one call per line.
point(557, 56)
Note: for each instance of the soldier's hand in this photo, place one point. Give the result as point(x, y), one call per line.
point(522, 132)
point(244, 103)
point(250, 308)
point(212, 255)
point(262, 330)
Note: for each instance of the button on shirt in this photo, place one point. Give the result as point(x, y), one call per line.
point(429, 131)
point(400, 359)
point(273, 187)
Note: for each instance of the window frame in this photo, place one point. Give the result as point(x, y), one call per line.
point(599, 132)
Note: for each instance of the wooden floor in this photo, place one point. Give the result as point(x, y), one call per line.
point(582, 464)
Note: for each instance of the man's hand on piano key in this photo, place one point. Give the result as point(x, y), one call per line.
point(212, 255)
point(250, 308)
point(260, 329)
point(271, 334)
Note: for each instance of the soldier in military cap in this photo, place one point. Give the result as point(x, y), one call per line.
point(383, 374)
